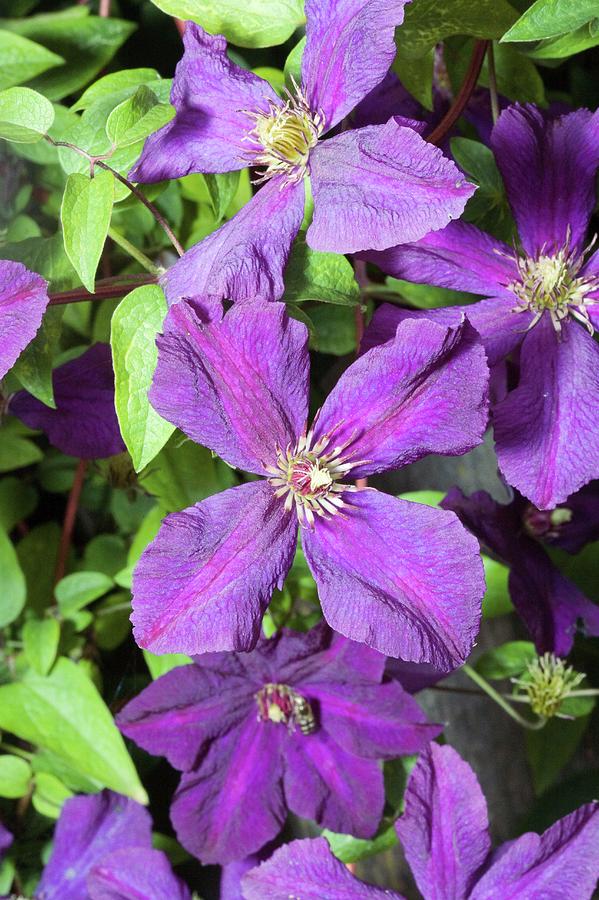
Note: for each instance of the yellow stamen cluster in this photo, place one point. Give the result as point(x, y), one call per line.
point(546, 683)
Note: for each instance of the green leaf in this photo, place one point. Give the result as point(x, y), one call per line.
point(87, 43)
point(335, 329)
point(350, 849)
point(426, 296)
point(247, 23)
point(25, 115)
point(293, 64)
point(160, 665)
point(566, 45)
point(105, 553)
point(85, 215)
point(416, 74)
point(312, 275)
point(183, 473)
point(549, 749)
point(37, 553)
point(15, 775)
point(114, 84)
point(497, 601)
point(549, 18)
point(40, 643)
point(517, 76)
point(488, 208)
point(17, 501)
point(16, 450)
point(14, 591)
point(427, 22)
point(23, 59)
point(135, 324)
point(63, 712)
point(75, 591)
point(45, 256)
point(137, 117)
point(111, 622)
point(222, 189)
point(506, 661)
point(34, 366)
point(49, 795)
point(427, 498)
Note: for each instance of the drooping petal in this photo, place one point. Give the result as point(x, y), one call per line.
point(551, 605)
point(373, 721)
point(232, 873)
point(245, 258)
point(444, 829)
point(232, 804)
point(211, 95)
point(548, 165)
point(89, 828)
point(180, 714)
point(423, 392)
point(498, 526)
point(561, 864)
point(583, 525)
point(547, 429)
point(378, 186)
point(84, 422)
point(135, 873)
point(350, 45)
point(460, 256)
point(238, 386)
point(23, 301)
point(205, 581)
point(309, 870)
point(336, 789)
point(415, 594)
point(500, 328)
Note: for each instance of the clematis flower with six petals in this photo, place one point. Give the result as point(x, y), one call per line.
point(543, 299)
point(445, 835)
point(373, 187)
point(403, 578)
point(299, 723)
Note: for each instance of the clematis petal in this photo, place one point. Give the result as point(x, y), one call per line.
point(89, 828)
point(416, 594)
point(561, 864)
point(548, 165)
point(23, 301)
point(547, 429)
point(551, 605)
point(211, 95)
point(84, 422)
point(497, 525)
point(245, 258)
point(309, 870)
point(372, 721)
point(180, 714)
point(423, 392)
point(460, 256)
point(205, 581)
point(582, 527)
point(444, 829)
point(378, 186)
point(6, 840)
point(388, 98)
point(336, 789)
point(500, 328)
point(135, 873)
point(215, 813)
point(350, 45)
point(238, 386)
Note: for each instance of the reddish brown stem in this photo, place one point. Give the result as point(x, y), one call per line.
point(69, 520)
point(104, 8)
point(464, 94)
point(103, 292)
point(180, 26)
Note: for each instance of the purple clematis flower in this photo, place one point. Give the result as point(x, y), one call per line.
point(543, 298)
point(373, 187)
point(84, 423)
point(549, 603)
point(240, 387)
point(299, 723)
point(23, 301)
point(445, 836)
point(103, 851)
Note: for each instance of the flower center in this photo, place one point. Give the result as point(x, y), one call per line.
point(310, 476)
point(545, 524)
point(546, 683)
point(281, 704)
point(551, 283)
point(283, 137)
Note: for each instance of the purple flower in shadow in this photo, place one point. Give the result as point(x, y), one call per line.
point(403, 578)
point(23, 301)
point(84, 423)
point(445, 835)
point(300, 723)
point(543, 298)
point(103, 851)
point(373, 187)
point(550, 604)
